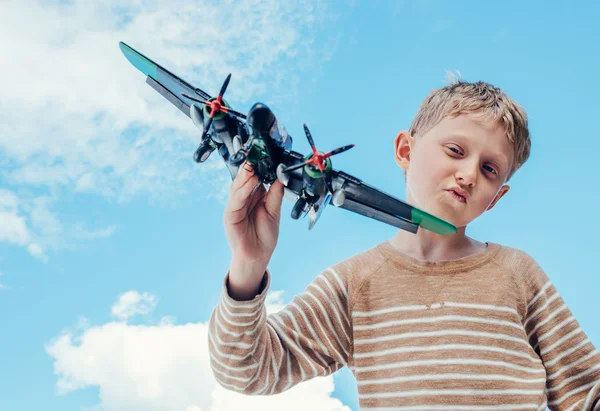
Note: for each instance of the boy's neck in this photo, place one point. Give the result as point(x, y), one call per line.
point(429, 246)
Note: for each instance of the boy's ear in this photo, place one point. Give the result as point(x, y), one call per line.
point(403, 145)
point(503, 190)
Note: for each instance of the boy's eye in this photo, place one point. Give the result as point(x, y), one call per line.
point(490, 169)
point(486, 167)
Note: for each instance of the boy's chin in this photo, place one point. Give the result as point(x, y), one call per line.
point(457, 220)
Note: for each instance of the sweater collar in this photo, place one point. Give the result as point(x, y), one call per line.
point(433, 267)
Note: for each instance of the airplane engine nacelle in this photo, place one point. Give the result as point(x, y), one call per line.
point(222, 126)
point(313, 186)
point(223, 132)
point(196, 116)
point(313, 179)
point(338, 198)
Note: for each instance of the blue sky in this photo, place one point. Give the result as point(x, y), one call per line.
point(112, 251)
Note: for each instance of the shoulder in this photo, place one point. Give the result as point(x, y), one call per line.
point(356, 268)
point(512, 257)
point(526, 271)
point(363, 261)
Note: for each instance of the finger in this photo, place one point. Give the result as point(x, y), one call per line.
point(274, 200)
point(257, 197)
point(245, 176)
point(239, 196)
point(255, 187)
point(245, 172)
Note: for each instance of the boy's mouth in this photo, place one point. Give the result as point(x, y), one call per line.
point(454, 193)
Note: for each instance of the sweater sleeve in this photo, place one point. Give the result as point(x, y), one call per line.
point(257, 353)
point(571, 361)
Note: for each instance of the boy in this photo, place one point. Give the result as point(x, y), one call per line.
point(424, 321)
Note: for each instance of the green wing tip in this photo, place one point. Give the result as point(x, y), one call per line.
point(125, 49)
point(432, 223)
point(139, 61)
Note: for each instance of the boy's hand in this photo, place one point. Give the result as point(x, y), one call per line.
point(252, 224)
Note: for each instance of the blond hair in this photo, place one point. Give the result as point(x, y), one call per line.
point(481, 99)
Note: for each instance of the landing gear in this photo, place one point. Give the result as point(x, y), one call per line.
point(238, 158)
point(204, 151)
point(298, 208)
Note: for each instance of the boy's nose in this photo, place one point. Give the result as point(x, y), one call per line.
point(467, 176)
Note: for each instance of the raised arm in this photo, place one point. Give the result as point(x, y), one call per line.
point(259, 354)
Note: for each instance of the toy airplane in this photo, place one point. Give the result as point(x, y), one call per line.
point(309, 181)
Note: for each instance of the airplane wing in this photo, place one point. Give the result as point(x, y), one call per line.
point(353, 194)
point(371, 202)
point(171, 87)
point(163, 81)
point(350, 193)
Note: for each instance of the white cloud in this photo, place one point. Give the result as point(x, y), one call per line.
point(165, 367)
point(32, 222)
point(14, 228)
point(93, 234)
point(274, 301)
point(133, 303)
point(36, 250)
point(9, 202)
point(77, 117)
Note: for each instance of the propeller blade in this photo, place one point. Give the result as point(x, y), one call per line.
point(199, 100)
point(338, 151)
point(310, 139)
point(231, 111)
point(206, 127)
point(328, 182)
point(203, 136)
point(224, 86)
point(295, 167)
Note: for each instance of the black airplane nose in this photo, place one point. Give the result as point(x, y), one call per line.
point(260, 119)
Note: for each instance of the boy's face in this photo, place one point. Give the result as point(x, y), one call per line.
point(459, 153)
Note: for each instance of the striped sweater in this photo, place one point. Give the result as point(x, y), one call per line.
point(484, 332)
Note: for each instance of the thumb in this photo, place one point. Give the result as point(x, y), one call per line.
point(274, 199)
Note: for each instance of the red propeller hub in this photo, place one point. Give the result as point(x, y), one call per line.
point(215, 106)
point(318, 160)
